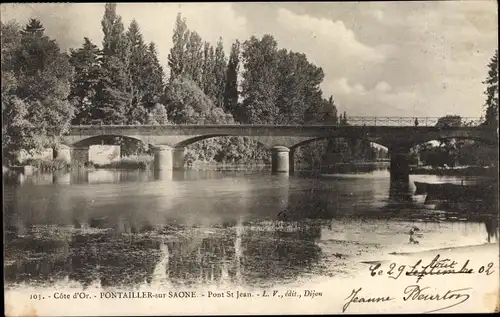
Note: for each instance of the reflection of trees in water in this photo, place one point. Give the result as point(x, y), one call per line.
point(199, 259)
point(491, 225)
point(237, 254)
point(83, 256)
point(278, 255)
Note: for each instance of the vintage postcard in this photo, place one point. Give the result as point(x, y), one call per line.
point(250, 158)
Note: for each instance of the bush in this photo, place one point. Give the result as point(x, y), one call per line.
point(48, 165)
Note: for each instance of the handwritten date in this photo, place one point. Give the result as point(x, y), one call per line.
point(437, 266)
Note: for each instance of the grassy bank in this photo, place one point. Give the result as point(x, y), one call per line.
point(48, 165)
point(217, 166)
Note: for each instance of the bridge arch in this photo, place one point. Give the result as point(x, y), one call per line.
point(308, 141)
point(187, 142)
point(105, 139)
point(195, 139)
point(486, 136)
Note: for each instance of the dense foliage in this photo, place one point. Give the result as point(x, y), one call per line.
point(123, 82)
point(36, 82)
point(491, 113)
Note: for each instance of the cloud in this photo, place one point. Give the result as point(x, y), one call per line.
point(382, 86)
point(380, 100)
point(335, 37)
point(70, 23)
point(402, 58)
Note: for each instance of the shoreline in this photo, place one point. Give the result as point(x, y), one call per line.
point(458, 171)
point(331, 293)
point(143, 165)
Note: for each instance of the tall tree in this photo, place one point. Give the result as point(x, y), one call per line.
point(259, 89)
point(231, 89)
point(33, 28)
point(116, 95)
point(136, 65)
point(176, 58)
point(209, 83)
point(491, 116)
point(153, 78)
point(299, 95)
point(194, 58)
point(330, 111)
point(220, 64)
point(86, 83)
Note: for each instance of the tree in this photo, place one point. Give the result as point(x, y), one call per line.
point(259, 90)
point(299, 97)
point(154, 70)
point(86, 83)
point(116, 95)
point(35, 108)
point(194, 58)
point(219, 73)
point(186, 103)
point(231, 90)
point(176, 58)
point(209, 83)
point(449, 121)
point(33, 28)
point(330, 111)
point(491, 115)
point(136, 65)
point(343, 119)
point(158, 115)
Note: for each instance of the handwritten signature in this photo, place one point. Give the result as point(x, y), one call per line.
point(412, 293)
point(354, 298)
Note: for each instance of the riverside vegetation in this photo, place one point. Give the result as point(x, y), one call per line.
point(122, 82)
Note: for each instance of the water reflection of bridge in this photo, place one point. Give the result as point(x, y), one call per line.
point(131, 246)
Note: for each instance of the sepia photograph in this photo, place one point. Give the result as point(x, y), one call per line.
point(168, 158)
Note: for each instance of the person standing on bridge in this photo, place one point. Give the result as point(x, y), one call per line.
point(416, 122)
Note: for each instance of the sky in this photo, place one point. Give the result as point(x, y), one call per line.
point(379, 58)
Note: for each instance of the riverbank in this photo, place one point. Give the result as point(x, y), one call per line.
point(457, 171)
point(331, 294)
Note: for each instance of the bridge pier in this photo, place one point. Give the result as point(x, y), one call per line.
point(280, 159)
point(178, 157)
point(400, 165)
point(163, 158)
point(80, 156)
point(291, 160)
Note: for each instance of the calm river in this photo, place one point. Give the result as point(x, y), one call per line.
point(128, 228)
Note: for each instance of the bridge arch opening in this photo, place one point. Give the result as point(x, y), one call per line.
point(456, 151)
point(481, 140)
point(224, 149)
point(103, 149)
point(331, 153)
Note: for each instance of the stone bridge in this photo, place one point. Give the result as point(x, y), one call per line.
point(169, 141)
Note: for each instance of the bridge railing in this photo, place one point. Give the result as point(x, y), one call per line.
point(362, 121)
point(414, 121)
